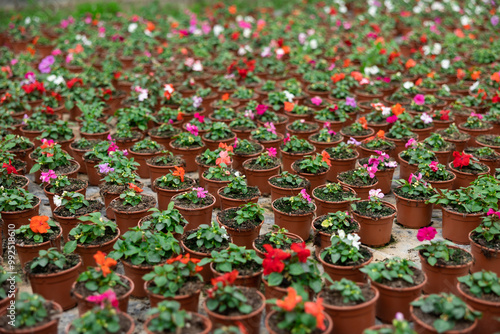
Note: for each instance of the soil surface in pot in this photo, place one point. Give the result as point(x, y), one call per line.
point(347, 229)
point(188, 182)
point(366, 256)
point(191, 286)
point(185, 203)
point(255, 166)
point(71, 261)
point(20, 241)
point(191, 244)
point(17, 182)
point(170, 161)
point(251, 193)
point(335, 298)
point(75, 184)
point(246, 269)
point(115, 188)
point(430, 318)
point(400, 192)
point(276, 319)
point(362, 209)
point(94, 205)
point(120, 290)
point(332, 197)
point(345, 177)
point(493, 244)
point(264, 239)
point(253, 300)
point(286, 207)
point(108, 235)
point(399, 283)
point(228, 218)
point(489, 297)
point(274, 181)
point(146, 202)
point(459, 257)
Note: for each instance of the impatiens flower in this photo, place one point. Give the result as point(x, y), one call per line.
point(179, 171)
point(47, 176)
point(350, 101)
point(410, 143)
point(226, 279)
point(426, 233)
point(491, 211)
point(301, 250)
point(355, 239)
point(316, 100)
point(107, 297)
point(426, 118)
point(39, 224)
point(494, 20)
point(392, 119)
point(168, 90)
point(135, 188)
point(473, 114)
point(461, 159)
point(305, 195)
point(104, 263)
point(371, 171)
point(414, 177)
point(392, 164)
point(326, 158)
point(273, 261)
point(286, 139)
point(261, 109)
point(199, 117)
point(45, 64)
point(112, 147)
point(200, 192)
point(10, 169)
point(270, 127)
point(353, 141)
point(197, 101)
point(400, 316)
point(434, 166)
point(57, 200)
point(289, 106)
point(249, 114)
point(271, 151)
point(193, 129)
point(105, 169)
point(223, 159)
point(376, 194)
point(290, 301)
point(316, 310)
point(419, 99)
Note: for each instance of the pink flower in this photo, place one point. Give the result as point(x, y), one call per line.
point(200, 192)
point(193, 129)
point(56, 52)
point(271, 151)
point(426, 233)
point(112, 147)
point(419, 99)
point(434, 166)
point(270, 127)
point(305, 195)
point(373, 161)
point(316, 100)
point(261, 109)
point(411, 143)
point(107, 297)
point(48, 142)
point(371, 171)
point(392, 119)
point(491, 211)
point(125, 152)
point(199, 117)
point(105, 169)
point(45, 177)
point(376, 194)
point(353, 141)
point(416, 177)
point(286, 139)
point(473, 114)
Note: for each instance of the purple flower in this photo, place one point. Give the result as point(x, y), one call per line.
point(45, 64)
point(494, 20)
point(350, 101)
point(200, 192)
point(105, 169)
point(353, 141)
point(197, 100)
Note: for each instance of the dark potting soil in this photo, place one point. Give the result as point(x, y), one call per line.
point(193, 326)
point(251, 193)
point(297, 168)
point(188, 182)
point(474, 152)
point(364, 251)
point(191, 244)
point(18, 182)
point(94, 205)
point(176, 145)
point(361, 208)
point(51, 313)
point(448, 147)
point(171, 161)
point(191, 286)
point(232, 171)
point(432, 177)
point(119, 289)
point(357, 182)
point(493, 244)
point(114, 188)
point(108, 235)
point(274, 182)
point(135, 135)
point(490, 297)
point(253, 300)
point(87, 145)
point(18, 164)
point(286, 207)
point(146, 150)
point(342, 155)
point(255, 149)
point(309, 126)
point(277, 318)
point(21, 241)
point(295, 152)
point(23, 147)
point(75, 184)
point(488, 140)
point(71, 261)
point(400, 192)
point(453, 136)
point(348, 131)
point(468, 169)
point(459, 257)
point(147, 202)
point(430, 318)
point(62, 169)
point(364, 161)
point(185, 203)
point(353, 227)
point(246, 269)
point(264, 239)
point(332, 297)
point(252, 164)
point(227, 217)
point(164, 134)
point(379, 148)
point(335, 137)
point(399, 283)
point(329, 197)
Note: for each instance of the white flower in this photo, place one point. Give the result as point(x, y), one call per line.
point(56, 79)
point(280, 52)
point(386, 111)
point(247, 33)
point(57, 200)
point(445, 64)
point(147, 32)
point(313, 44)
point(27, 20)
point(464, 20)
point(218, 29)
point(143, 95)
point(237, 174)
point(426, 49)
point(408, 84)
point(289, 96)
point(302, 38)
point(417, 9)
point(446, 88)
point(372, 10)
point(371, 70)
point(132, 27)
point(197, 66)
point(474, 86)
point(392, 164)
point(266, 52)
point(436, 49)
point(354, 240)
point(426, 118)
point(341, 234)
point(438, 6)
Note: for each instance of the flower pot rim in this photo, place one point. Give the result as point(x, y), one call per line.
point(450, 180)
point(407, 199)
point(280, 138)
point(361, 187)
point(204, 318)
point(30, 330)
point(476, 299)
point(324, 263)
point(157, 188)
point(195, 209)
point(187, 148)
point(312, 141)
point(126, 295)
point(130, 212)
point(462, 127)
point(492, 250)
point(298, 153)
point(117, 231)
point(220, 194)
point(144, 154)
point(58, 236)
point(239, 317)
point(25, 210)
point(451, 266)
point(293, 214)
point(213, 181)
point(450, 165)
point(84, 187)
point(372, 218)
point(239, 276)
point(246, 162)
point(59, 273)
point(160, 167)
point(195, 251)
point(324, 233)
point(55, 215)
point(233, 229)
point(478, 214)
point(294, 165)
point(415, 287)
point(352, 307)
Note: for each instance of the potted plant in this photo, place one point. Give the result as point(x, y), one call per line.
point(411, 202)
point(414, 154)
point(266, 135)
point(96, 280)
point(51, 275)
point(243, 125)
point(140, 249)
point(314, 169)
point(326, 225)
point(237, 193)
point(442, 118)
point(295, 213)
point(294, 149)
point(51, 156)
point(40, 233)
point(442, 262)
point(485, 155)
point(243, 223)
point(332, 197)
point(219, 132)
point(385, 166)
point(453, 135)
point(163, 164)
point(56, 185)
point(227, 304)
point(217, 177)
point(375, 143)
point(168, 317)
point(362, 180)
point(168, 220)
point(440, 147)
point(17, 206)
point(187, 145)
point(103, 318)
point(342, 158)
point(167, 186)
point(399, 134)
point(200, 242)
point(351, 305)
point(195, 206)
point(481, 290)
point(475, 126)
point(375, 218)
point(293, 312)
point(144, 150)
point(60, 132)
point(358, 130)
point(325, 138)
point(492, 141)
point(243, 150)
point(225, 261)
point(177, 280)
point(483, 241)
point(399, 282)
point(164, 134)
point(302, 129)
point(437, 175)
point(94, 234)
point(32, 311)
point(440, 313)
point(130, 207)
point(287, 184)
point(73, 205)
point(209, 158)
point(259, 170)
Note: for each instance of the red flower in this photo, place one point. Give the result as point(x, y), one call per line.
point(10, 169)
point(461, 159)
point(57, 96)
point(290, 301)
point(274, 260)
point(243, 72)
point(301, 250)
point(226, 279)
point(135, 188)
point(73, 82)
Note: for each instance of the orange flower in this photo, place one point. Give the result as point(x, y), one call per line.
point(397, 109)
point(175, 259)
point(223, 159)
point(410, 63)
point(337, 77)
point(475, 75)
point(363, 122)
point(418, 82)
point(381, 134)
point(179, 115)
point(347, 62)
point(326, 158)
point(289, 106)
point(226, 147)
point(104, 262)
point(135, 188)
point(174, 25)
point(495, 77)
point(290, 301)
point(286, 49)
point(431, 75)
point(232, 9)
point(460, 74)
point(358, 76)
point(38, 224)
point(179, 171)
point(316, 310)
point(150, 26)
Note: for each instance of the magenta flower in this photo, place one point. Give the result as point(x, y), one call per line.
point(270, 127)
point(200, 192)
point(261, 109)
point(271, 151)
point(373, 161)
point(494, 20)
point(48, 142)
point(193, 129)
point(45, 177)
point(410, 143)
point(491, 211)
point(45, 64)
point(350, 101)
point(105, 169)
point(371, 171)
point(414, 177)
point(199, 117)
point(473, 114)
point(434, 166)
point(426, 233)
point(305, 195)
point(392, 119)
point(316, 100)
point(107, 297)
point(286, 139)
point(112, 147)
point(419, 99)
